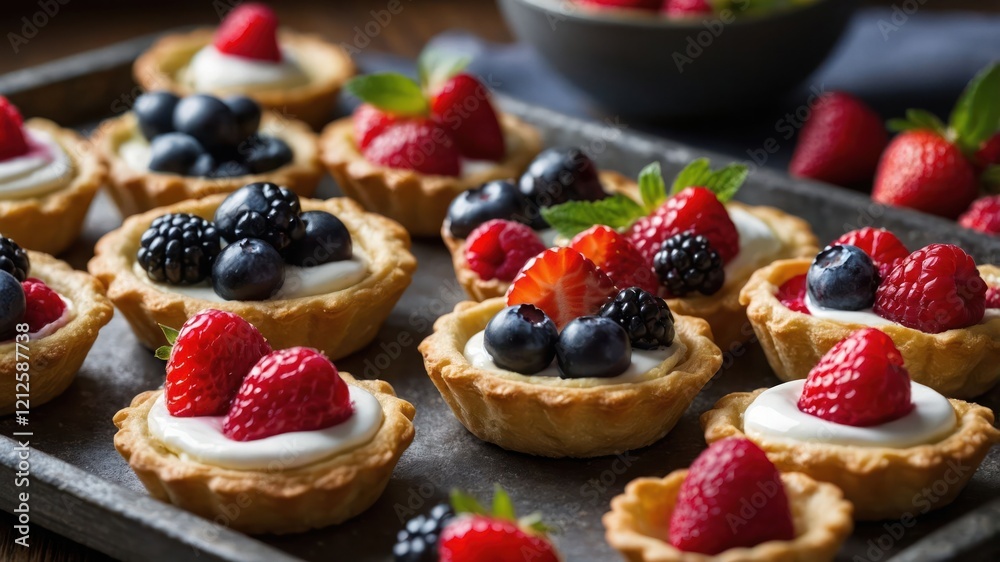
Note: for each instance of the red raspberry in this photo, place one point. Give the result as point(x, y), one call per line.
point(294, 389)
point(861, 381)
point(983, 215)
point(370, 122)
point(43, 306)
point(563, 283)
point(415, 144)
point(882, 246)
point(993, 297)
point(694, 208)
point(249, 31)
point(792, 294)
point(616, 257)
point(934, 289)
point(213, 351)
point(686, 8)
point(498, 249)
point(462, 105)
point(476, 538)
point(13, 143)
point(721, 481)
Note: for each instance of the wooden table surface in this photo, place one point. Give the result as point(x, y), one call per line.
point(83, 25)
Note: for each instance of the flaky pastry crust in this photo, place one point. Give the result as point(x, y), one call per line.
point(293, 500)
point(54, 360)
point(418, 201)
point(51, 222)
point(881, 482)
point(639, 520)
point(957, 363)
point(338, 323)
point(557, 421)
point(328, 67)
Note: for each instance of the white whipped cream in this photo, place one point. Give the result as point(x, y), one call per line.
point(136, 153)
point(45, 168)
point(213, 70)
point(865, 317)
point(758, 245)
point(643, 361)
point(775, 415)
point(200, 439)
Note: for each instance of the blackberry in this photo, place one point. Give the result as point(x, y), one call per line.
point(687, 263)
point(179, 249)
point(645, 316)
point(418, 541)
point(13, 259)
point(263, 211)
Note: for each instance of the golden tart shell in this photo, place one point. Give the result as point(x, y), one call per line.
point(55, 359)
point(61, 212)
point(881, 482)
point(637, 525)
point(323, 493)
point(328, 67)
point(417, 201)
point(561, 421)
point(957, 363)
point(338, 323)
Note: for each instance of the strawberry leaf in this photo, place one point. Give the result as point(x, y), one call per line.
point(652, 187)
point(573, 217)
point(391, 92)
point(917, 119)
point(436, 67)
point(976, 116)
point(991, 179)
point(503, 507)
point(534, 522)
point(462, 502)
point(163, 352)
point(694, 174)
point(169, 333)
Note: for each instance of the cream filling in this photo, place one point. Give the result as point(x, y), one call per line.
point(135, 152)
point(758, 245)
point(867, 316)
point(213, 70)
point(45, 168)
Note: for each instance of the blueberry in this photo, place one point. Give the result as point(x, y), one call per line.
point(248, 270)
point(230, 169)
point(155, 113)
point(263, 153)
point(326, 240)
point(843, 278)
point(247, 114)
point(174, 153)
point(203, 167)
point(521, 338)
point(593, 346)
point(208, 120)
point(558, 175)
point(493, 200)
point(12, 305)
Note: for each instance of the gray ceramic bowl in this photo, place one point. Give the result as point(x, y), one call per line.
point(648, 66)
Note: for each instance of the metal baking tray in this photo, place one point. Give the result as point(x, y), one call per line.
point(80, 487)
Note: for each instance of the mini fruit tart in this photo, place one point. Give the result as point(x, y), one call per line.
point(284, 435)
point(324, 274)
point(858, 421)
point(410, 148)
point(693, 245)
point(933, 303)
point(48, 176)
point(732, 505)
point(568, 366)
point(294, 74)
point(49, 318)
point(170, 149)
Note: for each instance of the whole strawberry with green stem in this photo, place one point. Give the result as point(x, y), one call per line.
point(497, 535)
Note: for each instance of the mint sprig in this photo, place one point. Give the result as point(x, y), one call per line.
point(976, 116)
point(573, 217)
point(391, 92)
point(652, 189)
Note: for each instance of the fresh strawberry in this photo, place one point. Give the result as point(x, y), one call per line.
point(725, 478)
point(249, 31)
point(211, 354)
point(370, 122)
point(988, 153)
point(13, 142)
point(840, 142)
point(498, 249)
point(792, 294)
point(861, 382)
point(563, 283)
point(616, 257)
point(43, 306)
point(993, 297)
point(415, 144)
point(922, 170)
point(294, 389)
point(694, 208)
point(934, 289)
point(648, 5)
point(686, 8)
point(983, 215)
point(479, 535)
point(882, 246)
point(462, 105)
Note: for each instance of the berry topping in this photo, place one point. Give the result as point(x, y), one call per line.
point(498, 249)
point(208, 120)
point(649, 5)
point(686, 8)
point(477, 535)
point(295, 389)
point(988, 153)
point(13, 141)
point(179, 153)
point(842, 278)
point(616, 257)
point(687, 263)
point(43, 305)
point(792, 294)
point(179, 249)
point(493, 200)
point(13, 259)
point(593, 346)
point(12, 305)
point(563, 283)
point(370, 122)
point(326, 240)
point(934, 289)
point(983, 215)
point(247, 114)
point(861, 382)
point(208, 359)
point(155, 113)
point(521, 338)
point(646, 317)
point(694, 208)
point(993, 297)
point(416, 144)
point(558, 175)
point(882, 246)
point(248, 270)
point(263, 211)
point(462, 105)
point(249, 31)
point(261, 153)
point(418, 541)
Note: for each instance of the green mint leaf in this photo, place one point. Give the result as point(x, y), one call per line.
point(465, 503)
point(503, 507)
point(695, 173)
point(652, 187)
point(573, 217)
point(390, 91)
point(163, 352)
point(726, 182)
point(436, 66)
point(991, 178)
point(169, 333)
point(976, 116)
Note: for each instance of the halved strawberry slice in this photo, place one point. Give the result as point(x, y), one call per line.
point(249, 31)
point(617, 257)
point(563, 283)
